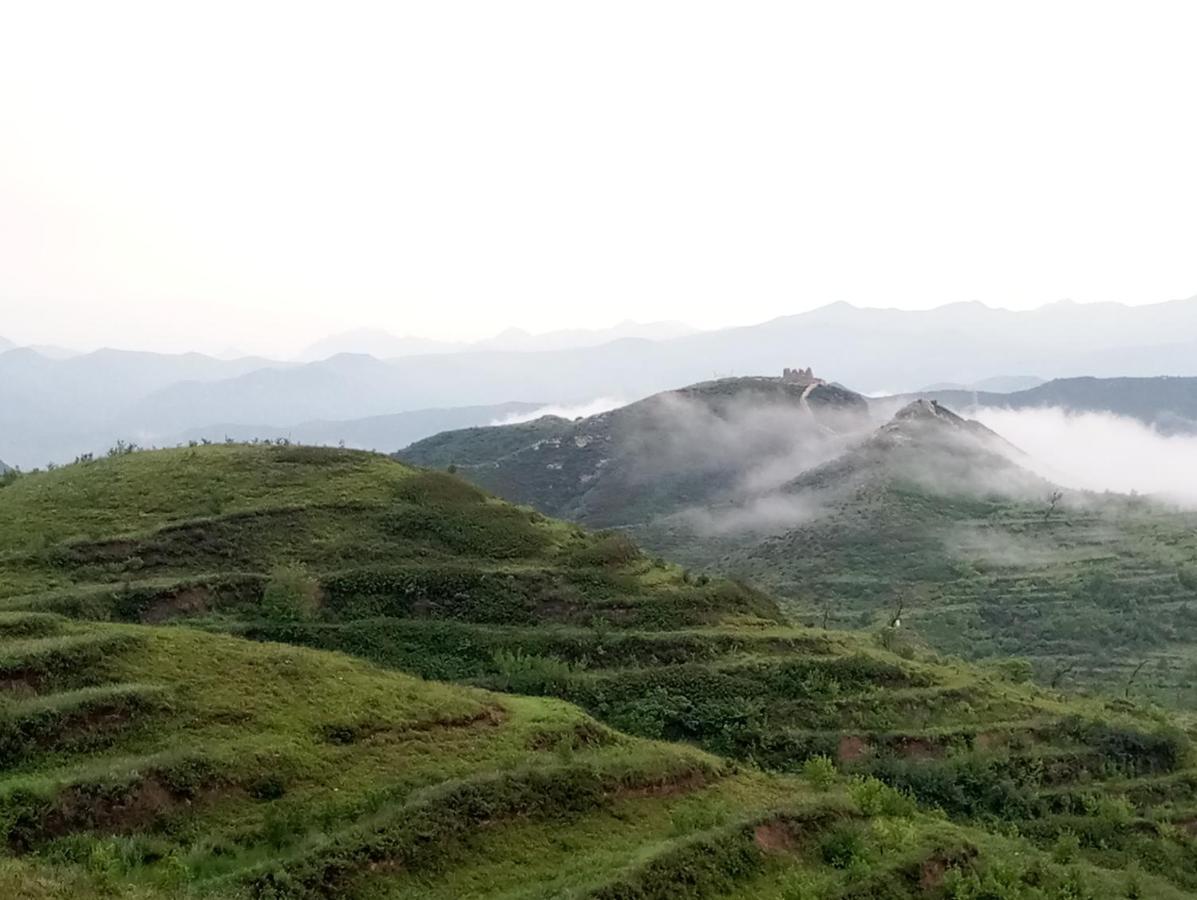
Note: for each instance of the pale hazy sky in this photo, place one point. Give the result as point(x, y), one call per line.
point(259, 174)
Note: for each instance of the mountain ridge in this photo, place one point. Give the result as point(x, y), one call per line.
point(876, 351)
point(660, 453)
point(383, 345)
point(1168, 403)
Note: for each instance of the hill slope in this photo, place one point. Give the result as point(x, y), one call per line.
point(985, 558)
point(930, 511)
point(418, 571)
point(161, 760)
point(382, 433)
point(671, 451)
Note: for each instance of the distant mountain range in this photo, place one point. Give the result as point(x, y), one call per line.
point(52, 409)
point(384, 345)
point(373, 433)
point(998, 384)
point(43, 349)
point(1168, 404)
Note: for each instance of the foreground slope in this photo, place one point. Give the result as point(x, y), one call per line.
point(145, 762)
point(418, 571)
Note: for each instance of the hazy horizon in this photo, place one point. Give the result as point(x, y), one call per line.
point(259, 176)
point(233, 348)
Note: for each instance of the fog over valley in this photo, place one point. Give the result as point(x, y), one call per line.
point(1101, 451)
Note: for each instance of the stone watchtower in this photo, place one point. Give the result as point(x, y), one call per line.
point(800, 376)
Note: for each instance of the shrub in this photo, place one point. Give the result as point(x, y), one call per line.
point(842, 846)
point(1188, 578)
point(527, 673)
point(820, 771)
point(1066, 848)
point(876, 798)
point(292, 594)
point(609, 549)
point(693, 816)
point(1015, 670)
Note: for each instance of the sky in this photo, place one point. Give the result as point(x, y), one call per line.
point(258, 174)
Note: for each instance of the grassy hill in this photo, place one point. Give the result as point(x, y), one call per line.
point(148, 761)
point(932, 514)
point(986, 560)
point(651, 458)
point(143, 757)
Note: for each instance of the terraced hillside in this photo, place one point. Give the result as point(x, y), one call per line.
point(941, 522)
point(143, 761)
point(279, 771)
point(985, 560)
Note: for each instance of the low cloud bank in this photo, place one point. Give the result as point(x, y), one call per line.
point(1100, 451)
point(763, 515)
point(591, 408)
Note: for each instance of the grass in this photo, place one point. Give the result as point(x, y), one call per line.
point(1098, 592)
point(171, 722)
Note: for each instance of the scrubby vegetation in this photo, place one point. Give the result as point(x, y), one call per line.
point(1086, 595)
point(619, 727)
point(987, 561)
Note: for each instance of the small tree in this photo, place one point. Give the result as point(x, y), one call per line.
point(292, 594)
point(1052, 502)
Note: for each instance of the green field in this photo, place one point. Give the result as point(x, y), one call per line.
point(291, 672)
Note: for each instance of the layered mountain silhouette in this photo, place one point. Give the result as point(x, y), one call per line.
point(384, 345)
point(53, 409)
point(730, 441)
point(1166, 403)
point(374, 432)
point(674, 450)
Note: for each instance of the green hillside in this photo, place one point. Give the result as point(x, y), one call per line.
point(984, 560)
point(648, 459)
point(942, 521)
point(141, 756)
point(142, 761)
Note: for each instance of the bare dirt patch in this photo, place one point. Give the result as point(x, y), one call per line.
point(852, 748)
point(934, 868)
point(190, 601)
point(919, 749)
point(113, 811)
point(21, 684)
point(672, 786)
point(774, 837)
